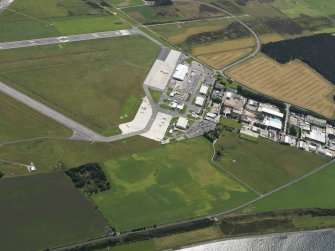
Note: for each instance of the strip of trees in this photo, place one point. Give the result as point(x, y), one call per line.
point(317, 51)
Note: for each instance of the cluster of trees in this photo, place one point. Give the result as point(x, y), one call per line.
point(1, 175)
point(161, 2)
point(89, 177)
point(317, 51)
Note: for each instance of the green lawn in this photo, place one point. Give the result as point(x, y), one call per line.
point(80, 25)
point(230, 123)
point(264, 165)
point(174, 182)
point(316, 191)
point(98, 82)
point(41, 18)
point(20, 122)
point(155, 94)
point(44, 211)
point(47, 153)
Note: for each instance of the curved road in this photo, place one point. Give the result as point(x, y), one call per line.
point(252, 32)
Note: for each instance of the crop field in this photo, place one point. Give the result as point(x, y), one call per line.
point(41, 211)
point(174, 182)
point(264, 165)
point(294, 82)
point(316, 191)
point(41, 18)
point(20, 122)
point(177, 12)
point(215, 42)
point(46, 154)
point(98, 83)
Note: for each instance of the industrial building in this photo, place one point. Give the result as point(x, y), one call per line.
point(270, 110)
point(181, 72)
point(182, 123)
point(199, 101)
point(273, 123)
point(203, 90)
point(317, 136)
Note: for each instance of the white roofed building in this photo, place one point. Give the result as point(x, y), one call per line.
point(182, 123)
point(270, 110)
point(181, 72)
point(203, 90)
point(317, 136)
point(199, 101)
point(273, 123)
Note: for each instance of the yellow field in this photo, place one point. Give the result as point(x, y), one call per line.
point(220, 59)
point(293, 82)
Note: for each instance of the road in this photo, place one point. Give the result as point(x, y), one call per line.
point(80, 132)
point(66, 39)
point(257, 48)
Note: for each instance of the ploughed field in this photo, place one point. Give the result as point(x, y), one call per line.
point(294, 82)
point(44, 211)
point(98, 82)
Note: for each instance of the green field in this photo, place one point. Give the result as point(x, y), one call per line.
point(47, 153)
point(325, 6)
point(174, 182)
point(98, 82)
point(232, 123)
point(44, 211)
point(122, 3)
point(177, 12)
point(264, 165)
point(316, 191)
point(41, 18)
point(20, 122)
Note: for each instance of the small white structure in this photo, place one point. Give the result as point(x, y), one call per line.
point(181, 72)
point(203, 90)
point(210, 116)
point(199, 101)
point(182, 123)
point(273, 123)
point(31, 167)
point(180, 107)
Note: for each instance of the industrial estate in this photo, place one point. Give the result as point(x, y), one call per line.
point(159, 124)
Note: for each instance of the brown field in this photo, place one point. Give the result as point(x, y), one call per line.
point(186, 33)
point(220, 59)
point(294, 82)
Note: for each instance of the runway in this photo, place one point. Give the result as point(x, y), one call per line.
point(66, 39)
